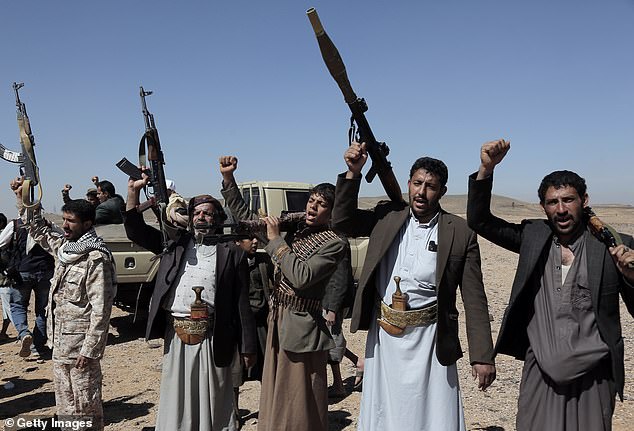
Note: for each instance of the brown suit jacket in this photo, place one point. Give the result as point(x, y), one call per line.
point(458, 264)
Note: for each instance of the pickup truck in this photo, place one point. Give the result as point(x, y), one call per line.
point(137, 267)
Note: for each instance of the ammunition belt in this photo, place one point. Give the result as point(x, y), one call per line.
point(421, 317)
point(294, 302)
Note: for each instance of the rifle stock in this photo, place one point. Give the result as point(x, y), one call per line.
point(377, 151)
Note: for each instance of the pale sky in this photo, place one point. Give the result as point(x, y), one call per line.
point(556, 77)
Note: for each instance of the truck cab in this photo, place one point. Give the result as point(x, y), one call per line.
point(274, 197)
point(137, 267)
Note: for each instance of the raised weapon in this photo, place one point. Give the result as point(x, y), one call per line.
point(29, 170)
point(377, 151)
point(157, 197)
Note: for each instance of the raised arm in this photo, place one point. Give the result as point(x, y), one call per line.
point(66, 193)
point(231, 193)
point(135, 227)
point(346, 216)
point(39, 229)
point(479, 216)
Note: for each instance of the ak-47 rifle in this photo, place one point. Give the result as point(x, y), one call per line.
point(377, 151)
point(29, 170)
point(157, 197)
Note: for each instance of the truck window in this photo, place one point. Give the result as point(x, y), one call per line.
point(255, 203)
point(296, 200)
point(246, 195)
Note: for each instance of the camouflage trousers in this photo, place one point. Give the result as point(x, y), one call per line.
point(78, 392)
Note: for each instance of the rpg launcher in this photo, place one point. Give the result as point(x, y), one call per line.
point(157, 195)
point(359, 127)
point(29, 170)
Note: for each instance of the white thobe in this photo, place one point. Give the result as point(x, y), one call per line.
point(404, 385)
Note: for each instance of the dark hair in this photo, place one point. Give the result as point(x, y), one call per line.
point(433, 166)
point(91, 193)
point(3, 221)
point(107, 187)
point(559, 179)
point(81, 208)
point(326, 191)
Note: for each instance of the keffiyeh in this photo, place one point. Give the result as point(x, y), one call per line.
point(73, 250)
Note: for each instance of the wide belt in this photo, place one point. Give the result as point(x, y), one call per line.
point(402, 319)
point(192, 331)
point(294, 302)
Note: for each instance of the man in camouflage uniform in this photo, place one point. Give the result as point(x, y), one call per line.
point(80, 301)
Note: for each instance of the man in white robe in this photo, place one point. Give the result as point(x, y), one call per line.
point(411, 379)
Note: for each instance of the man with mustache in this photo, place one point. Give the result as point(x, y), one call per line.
point(201, 330)
point(562, 319)
point(410, 377)
point(82, 290)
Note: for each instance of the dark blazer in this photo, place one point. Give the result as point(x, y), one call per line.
point(458, 264)
point(531, 239)
point(233, 320)
point(110, 211)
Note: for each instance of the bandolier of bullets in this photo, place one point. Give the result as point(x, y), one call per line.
point(284, 294)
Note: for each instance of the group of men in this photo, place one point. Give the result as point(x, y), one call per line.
point(562, 318)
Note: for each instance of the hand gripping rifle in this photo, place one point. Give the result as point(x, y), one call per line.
point(157, 197)
point(29, 170)
point(377, 151)
point(603, 231)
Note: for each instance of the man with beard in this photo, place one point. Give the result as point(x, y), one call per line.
point(202, 330)
point(418, 255)
point(563, 318)
point(79, 306)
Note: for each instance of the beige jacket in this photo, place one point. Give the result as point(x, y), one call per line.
point(80, 299)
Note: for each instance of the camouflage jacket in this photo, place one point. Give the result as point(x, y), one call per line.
point(80, 299)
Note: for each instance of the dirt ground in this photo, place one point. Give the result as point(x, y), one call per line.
point(132, 367)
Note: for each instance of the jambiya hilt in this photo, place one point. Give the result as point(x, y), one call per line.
point(399, 303)
point(198, 308)
point(29, 170)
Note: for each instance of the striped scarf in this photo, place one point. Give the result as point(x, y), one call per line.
point(73, 250)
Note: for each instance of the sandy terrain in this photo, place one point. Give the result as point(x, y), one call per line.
point(132, 367)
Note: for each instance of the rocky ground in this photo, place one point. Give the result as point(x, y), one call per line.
point(132, 367)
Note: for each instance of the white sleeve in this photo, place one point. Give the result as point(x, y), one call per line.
point(7, 233)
